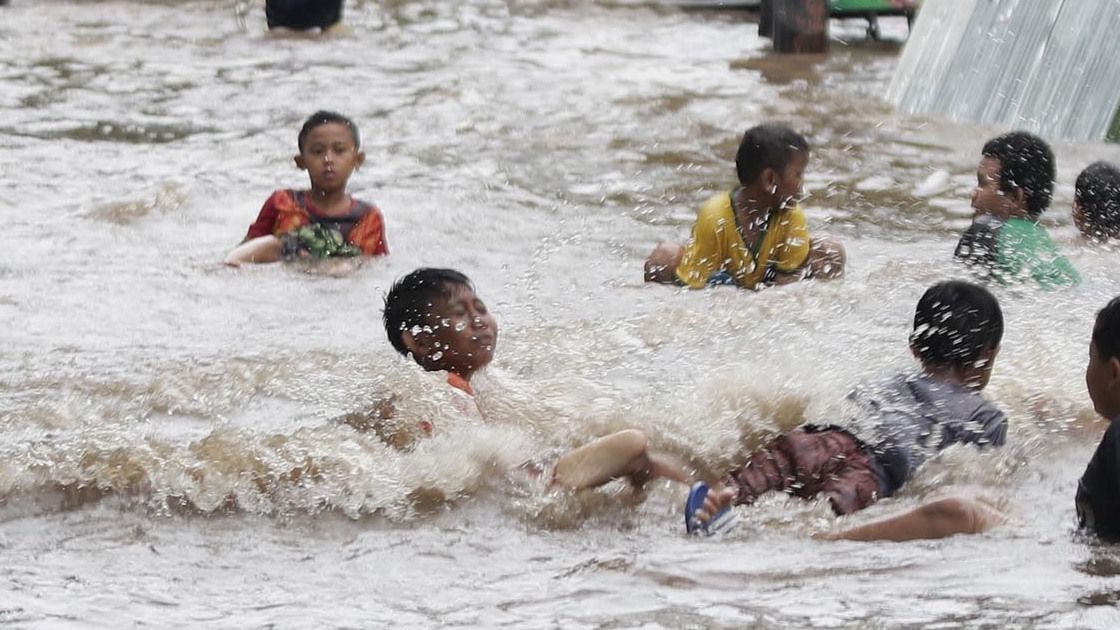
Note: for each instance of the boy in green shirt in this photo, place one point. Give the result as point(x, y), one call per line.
point(1014, 183)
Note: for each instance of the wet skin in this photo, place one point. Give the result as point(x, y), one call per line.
point(988, 198)
point(461, 334)
point(330, 156)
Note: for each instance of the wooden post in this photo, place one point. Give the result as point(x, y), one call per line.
point(800, 26)
point(766, 18)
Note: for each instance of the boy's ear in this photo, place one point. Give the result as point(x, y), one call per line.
point(418, 346)
point(361, 159)
point(988, 355)
point(1114, 371)
point(770, 178)
point(1018, 197)
point(300, 164)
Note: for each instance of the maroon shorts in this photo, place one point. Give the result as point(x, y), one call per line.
point(807, 462)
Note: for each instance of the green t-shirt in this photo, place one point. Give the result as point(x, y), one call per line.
point(1016, 249)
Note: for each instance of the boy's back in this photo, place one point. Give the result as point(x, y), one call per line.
point(1017, 248)
point(956, 336)
point(1098, 491)
point(909, 418)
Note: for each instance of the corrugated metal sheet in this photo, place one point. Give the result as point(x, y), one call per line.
point(1047, 66)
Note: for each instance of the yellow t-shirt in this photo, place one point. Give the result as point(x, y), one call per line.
point(716, 246)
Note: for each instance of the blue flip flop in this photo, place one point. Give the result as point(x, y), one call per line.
point(722, 522)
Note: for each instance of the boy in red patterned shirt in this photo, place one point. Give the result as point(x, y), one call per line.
point(324, 221)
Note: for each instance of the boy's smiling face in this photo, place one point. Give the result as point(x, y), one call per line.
point(329, 156)
point(460, 335)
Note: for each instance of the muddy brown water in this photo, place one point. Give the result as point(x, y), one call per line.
point(169, 456)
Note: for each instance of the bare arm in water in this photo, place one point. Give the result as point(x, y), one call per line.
point(622, 454)
point(263, 249)
point(940, 518)
point(661, 266)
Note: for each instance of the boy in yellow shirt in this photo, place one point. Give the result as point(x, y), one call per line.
point(755, 235)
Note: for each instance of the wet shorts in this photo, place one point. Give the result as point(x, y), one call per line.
point(811, 461)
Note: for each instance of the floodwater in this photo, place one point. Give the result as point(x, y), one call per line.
point(169, 454)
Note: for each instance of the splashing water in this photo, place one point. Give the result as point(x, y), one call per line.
point(172, 437)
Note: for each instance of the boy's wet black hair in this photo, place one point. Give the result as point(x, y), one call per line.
point(767, 146)
point(1106, 331)
point(324, 117)
point(954, 323)
point(1025, 162)
point(412, 298)
point(1098, 193)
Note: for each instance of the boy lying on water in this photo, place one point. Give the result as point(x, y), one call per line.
point(1098, 492)
point(756, 234)
point(898, 426)
point(434, 316)
point(1014, 183)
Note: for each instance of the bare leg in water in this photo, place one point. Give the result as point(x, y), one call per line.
point(622, 454)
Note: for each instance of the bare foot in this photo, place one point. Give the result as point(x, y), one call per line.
point(718, 498)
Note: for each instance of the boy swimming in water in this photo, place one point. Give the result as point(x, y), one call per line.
point(896, 427)
point(1098, 492)
point(324, 221)
point(434, 316)
point(1014, 183)
point(755, 235)
point(1096, 202)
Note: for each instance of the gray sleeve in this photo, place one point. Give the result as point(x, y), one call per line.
point(988, 426)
